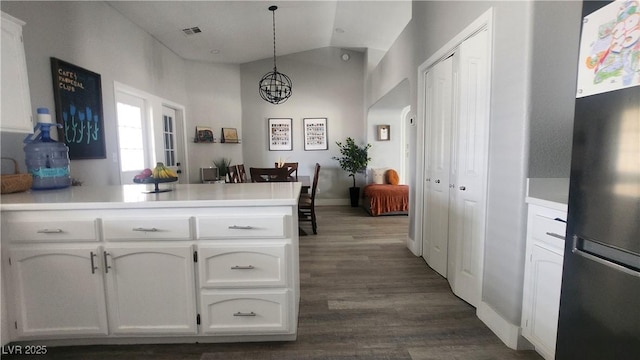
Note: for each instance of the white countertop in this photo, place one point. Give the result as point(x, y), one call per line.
point(133, 196)
point(549, 192)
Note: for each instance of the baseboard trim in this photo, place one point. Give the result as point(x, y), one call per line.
point(509, 333)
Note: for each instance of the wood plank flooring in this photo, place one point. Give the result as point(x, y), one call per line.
point(363, 296)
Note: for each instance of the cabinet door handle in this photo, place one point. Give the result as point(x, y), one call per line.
point(438, 181)
point(237, 267)
point(244, 314)
point(50, 231)
point(93, 265)
point(106, 263)
point(238, 227)
point(145, 229)
point(463, 188)
point(558, 236)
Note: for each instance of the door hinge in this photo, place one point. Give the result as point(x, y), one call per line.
point(195, 256)
point(198, 319)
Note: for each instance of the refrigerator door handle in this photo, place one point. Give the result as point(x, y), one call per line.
point(616, 259)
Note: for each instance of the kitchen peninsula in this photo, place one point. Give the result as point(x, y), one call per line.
point(107, 265)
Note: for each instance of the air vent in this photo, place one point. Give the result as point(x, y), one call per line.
point(192, 31)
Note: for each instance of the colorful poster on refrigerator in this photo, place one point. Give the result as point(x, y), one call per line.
point(610, 49)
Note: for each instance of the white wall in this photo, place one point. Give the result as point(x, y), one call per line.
point(323, 86)
point(388, 111)
point(94, 36)
point(551, 127)
point(433, 24)
point(214, 100)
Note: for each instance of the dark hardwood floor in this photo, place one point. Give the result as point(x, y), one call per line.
point(363, 296)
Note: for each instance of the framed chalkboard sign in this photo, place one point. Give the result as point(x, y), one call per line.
point(78, 98)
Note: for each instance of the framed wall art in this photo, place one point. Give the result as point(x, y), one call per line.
point(384, 132)
point(280, 134)
point(77, 93)
point(315, 134)
point(229, 135)
point(204, 134)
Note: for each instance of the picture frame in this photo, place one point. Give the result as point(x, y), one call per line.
point(315, 134)
point(77, 94)
point(384, 132)
point(204, 134)
point(280, 134)
point(229, 135)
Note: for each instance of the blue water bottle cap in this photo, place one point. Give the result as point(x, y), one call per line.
point(43, 110)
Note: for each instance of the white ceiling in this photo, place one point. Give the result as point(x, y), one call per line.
point(242, 31)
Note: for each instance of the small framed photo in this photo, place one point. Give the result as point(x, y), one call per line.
point(384, 132)
point(280, 134)
point(315, 134)
point(204, 134)
point(229, 135)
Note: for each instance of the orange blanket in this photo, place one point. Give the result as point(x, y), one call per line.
point(387, 198)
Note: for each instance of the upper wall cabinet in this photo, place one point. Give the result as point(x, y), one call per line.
point(16, 102)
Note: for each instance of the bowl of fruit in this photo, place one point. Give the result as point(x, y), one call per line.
point(159, 174)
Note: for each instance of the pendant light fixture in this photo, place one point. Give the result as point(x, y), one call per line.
point(275, 87)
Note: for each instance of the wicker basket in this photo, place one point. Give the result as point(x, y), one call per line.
point(16, 182)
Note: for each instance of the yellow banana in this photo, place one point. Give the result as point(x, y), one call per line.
point(171, 172)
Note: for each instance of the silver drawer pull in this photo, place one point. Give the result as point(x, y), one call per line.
point(237, 227)
point(93, 265)
point(249, 267)
point(244, 314)
point(146, 229)
point(558, 236)
point(50, 231)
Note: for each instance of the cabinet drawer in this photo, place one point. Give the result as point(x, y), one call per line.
point(549, 230)
point(258, 226)
point(143, 228)
point(22, 230)
point(246, 312)
point(243, 266)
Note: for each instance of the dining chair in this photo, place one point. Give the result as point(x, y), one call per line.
point(242, 174)
point(292, 169)
point(307, 203)
point(268, 174)
point(232, 174)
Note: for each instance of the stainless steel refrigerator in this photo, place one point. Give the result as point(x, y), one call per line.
point(600, 300)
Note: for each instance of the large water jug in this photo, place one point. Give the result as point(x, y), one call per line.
point(47, 160)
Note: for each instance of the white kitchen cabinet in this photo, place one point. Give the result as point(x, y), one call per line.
point(246, 282)
point(231, 265)
point(16, 99)
point(109, 266)
point(150, 289)
point(245, 312)
point(543, 277)
point(58, 291)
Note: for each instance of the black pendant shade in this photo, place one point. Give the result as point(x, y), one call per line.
point(275, 87)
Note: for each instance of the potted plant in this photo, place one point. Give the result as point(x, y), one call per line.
point(222, 164)
point(354, 159)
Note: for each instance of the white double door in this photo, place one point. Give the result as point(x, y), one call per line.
point(456, 153)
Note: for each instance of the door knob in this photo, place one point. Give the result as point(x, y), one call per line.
point(463, 188)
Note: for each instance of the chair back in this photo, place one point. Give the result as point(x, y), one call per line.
point(242, 174)
point(292, 169)
point(232, 174)
point(268, 174)
point(314, 186)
